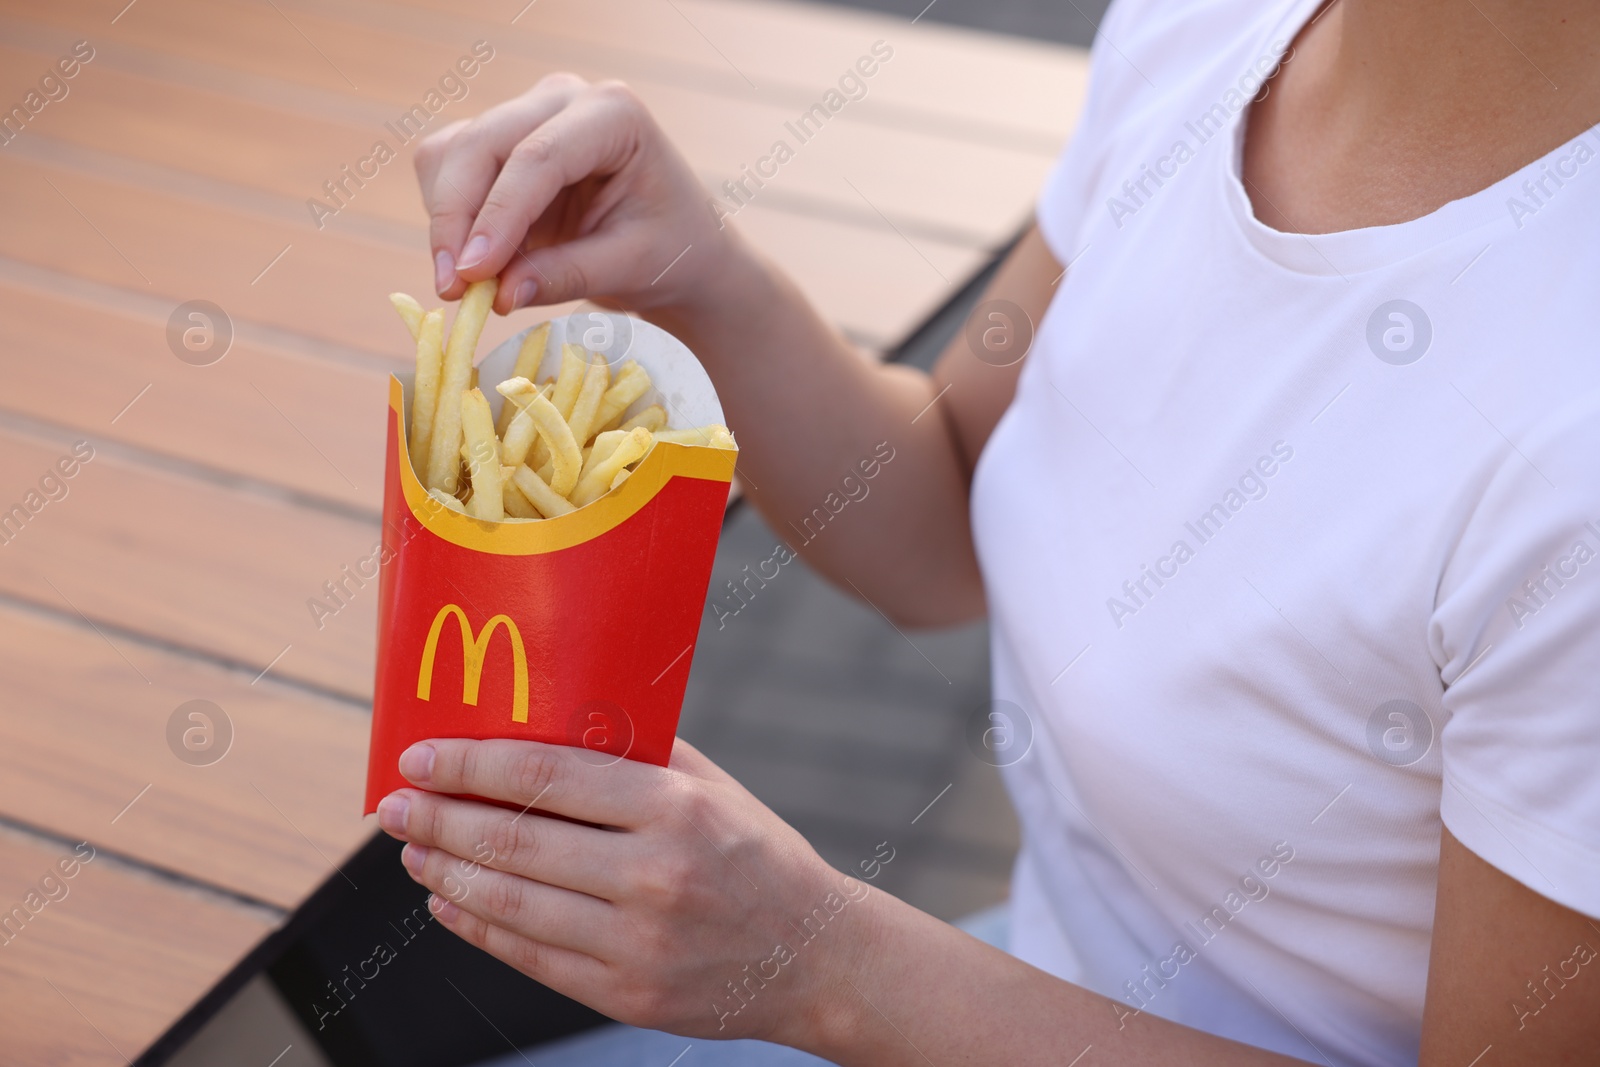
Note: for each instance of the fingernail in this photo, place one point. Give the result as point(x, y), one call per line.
point(392, 813)
point(444, 271)
point(473, 254)
point(414, 856)
point(524, 294)
point(416, 762)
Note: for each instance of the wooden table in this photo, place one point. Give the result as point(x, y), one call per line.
point(178, 563)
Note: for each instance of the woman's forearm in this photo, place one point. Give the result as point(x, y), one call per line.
point(903, 989)
point(842, 455)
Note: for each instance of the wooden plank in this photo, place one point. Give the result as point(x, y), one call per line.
point(184, 249)
point(927, 181)
point(97, 974)
point(263, 412)
point(331, 284)
point(87, 756)
point(225, 571)
point(875, 287)
point(989, 87)
point(992, 88)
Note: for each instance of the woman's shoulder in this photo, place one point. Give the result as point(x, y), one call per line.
point(1148, 54)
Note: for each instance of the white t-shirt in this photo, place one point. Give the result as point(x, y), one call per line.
point(1292, 547)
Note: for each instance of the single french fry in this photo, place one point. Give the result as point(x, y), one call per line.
point(574, 362)
point(483, 458)
point(517, 505)
point(563, 394)
point(715, 436)
point(447, 500)
point(598, 481)
point(629, 385)
point(604, 444)
point(621, 477)
point(596, 380)
point(519, 437)
point(652, 418)
point(545, 499)
point(566, 460)
point(425, 388)
point(529, 356)
point(444, 465)
point(410, 312)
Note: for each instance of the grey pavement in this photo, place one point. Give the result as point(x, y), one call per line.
point(1062, 21)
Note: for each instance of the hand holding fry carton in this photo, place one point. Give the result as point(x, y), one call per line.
point(549, 540)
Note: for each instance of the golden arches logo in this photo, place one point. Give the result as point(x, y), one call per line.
point(474, 647)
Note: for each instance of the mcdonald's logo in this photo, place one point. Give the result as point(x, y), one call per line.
point(473, 649)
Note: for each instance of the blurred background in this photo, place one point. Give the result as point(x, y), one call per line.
point(200, 157)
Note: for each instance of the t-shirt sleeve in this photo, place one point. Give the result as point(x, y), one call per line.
point(1064, 198)
point(1516, 631)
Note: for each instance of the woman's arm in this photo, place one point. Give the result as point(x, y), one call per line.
point(572, 191)
point(698, 911)
point(1513, 978)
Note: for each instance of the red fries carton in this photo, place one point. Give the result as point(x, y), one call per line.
point(577, 630)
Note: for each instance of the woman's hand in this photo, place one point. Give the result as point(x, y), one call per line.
point(668, 913)
point(571, 191)
point(690, 907)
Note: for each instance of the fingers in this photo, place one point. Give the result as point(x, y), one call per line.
point(592, 136)
point(569, 271)
point(457, 166)
point(561, 969)
point(552, 851)
point(544, 913)
point(529, 774)
point(429, 157)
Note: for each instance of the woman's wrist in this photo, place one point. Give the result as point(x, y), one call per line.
point(837, 1020)
point(725, 305)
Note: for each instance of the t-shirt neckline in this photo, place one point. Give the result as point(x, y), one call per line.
point(1346, 252)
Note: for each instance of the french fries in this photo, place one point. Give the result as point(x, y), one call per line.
point(529, 356)
point(631, 383)
point(651, 418)
point(447, 500)
point(425, 390)
point(714, 436)
point(574, 361)
point(565, 457)
point(596, 379)
point(549, 502)
point(483, 458)
point(597, 481)
point(444, 450)
point(554, 447)
point(410, 311)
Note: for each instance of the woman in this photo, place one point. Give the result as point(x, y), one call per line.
point(1286, 529)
